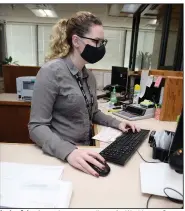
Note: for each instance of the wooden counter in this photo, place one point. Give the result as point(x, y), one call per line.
point(14, 118)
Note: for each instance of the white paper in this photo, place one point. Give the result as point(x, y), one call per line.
point(171, 141)
point(107, 134)
point(157, 138)
point(149, 81)
point(162, 139)
point(143, 82)
point(33, 186)
point(156, 177)
point(30, 171)
point(35, 193)
point(100, 92)
point(167, 141)
point(161, 96)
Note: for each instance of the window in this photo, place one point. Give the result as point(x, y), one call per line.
point(144, 49)
point(21, 43)
point(172, 35)
point(171, 48)
point(44, 32)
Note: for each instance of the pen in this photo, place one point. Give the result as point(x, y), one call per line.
point(117, 107)
point(114, 110)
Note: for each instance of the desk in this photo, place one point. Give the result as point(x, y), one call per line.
point(14, 119)
point(120, 189)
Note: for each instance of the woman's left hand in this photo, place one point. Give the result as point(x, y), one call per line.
point(126, 125)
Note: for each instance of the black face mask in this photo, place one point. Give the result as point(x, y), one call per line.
point(93, 54)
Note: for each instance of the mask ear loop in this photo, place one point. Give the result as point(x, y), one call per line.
point(82, 42)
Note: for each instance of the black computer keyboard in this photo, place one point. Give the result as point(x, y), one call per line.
point(122, 149)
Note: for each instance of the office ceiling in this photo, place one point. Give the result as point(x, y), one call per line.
point(61, 9)
point(117, 10)
point(107, 12)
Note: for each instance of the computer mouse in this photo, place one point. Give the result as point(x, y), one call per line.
point(102, 172)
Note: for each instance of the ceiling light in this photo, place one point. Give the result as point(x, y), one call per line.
point(152, 22)
point(155, 21)
point(130, 8)
point(42, 10)
point(50, 13)
point(39, 12)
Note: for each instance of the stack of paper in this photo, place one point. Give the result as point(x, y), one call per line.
point(30, 171)
point(33, 186)
point(107, 134)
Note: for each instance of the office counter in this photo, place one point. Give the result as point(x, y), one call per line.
point(120, 189)
point(14, 117)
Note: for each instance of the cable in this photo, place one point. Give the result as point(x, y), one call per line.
point(148, 201)
point(168, 197)
point(178, 201)
point(146, 160)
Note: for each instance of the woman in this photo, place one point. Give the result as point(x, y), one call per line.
point(64, 103)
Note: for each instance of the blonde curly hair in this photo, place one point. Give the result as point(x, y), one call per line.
point(62, 32)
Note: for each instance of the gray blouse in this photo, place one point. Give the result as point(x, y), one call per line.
point(59, 119)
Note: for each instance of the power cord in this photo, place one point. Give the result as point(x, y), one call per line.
point(146, 160)
point(148, 201)
point(167, 188)
point(178, 201)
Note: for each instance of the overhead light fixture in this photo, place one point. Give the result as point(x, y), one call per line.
point(42, 10)
point(50, 13)
point(152, 22)
point(155, 21)
point(130, 8)
point(39, 12)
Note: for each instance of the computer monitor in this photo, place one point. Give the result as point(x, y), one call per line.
point(119, 77)
point(178, 137)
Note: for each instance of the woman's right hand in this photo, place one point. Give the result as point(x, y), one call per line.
point(78, 158)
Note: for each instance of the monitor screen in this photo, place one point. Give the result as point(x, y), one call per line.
point(28, 85)
point(178, 137)
point(119, 77)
